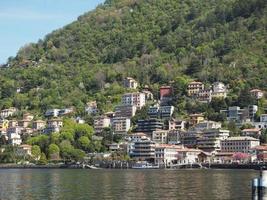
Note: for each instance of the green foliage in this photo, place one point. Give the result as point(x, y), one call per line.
point(36, 152)
point(43, 159)
point(53, 152)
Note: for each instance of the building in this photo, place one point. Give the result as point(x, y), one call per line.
point(261, 152)
point(7, 112)
point(28, 116)
point(16, 130)
point(130, 83)
point(160, 136)
point(236, 114)
point(153, 112)
point(252, 132)
point(91, 108)
point(125, 111)
point(12, 123)
point(121, 125)
point(188, 156)
point(252, 110)
point(65, 111)
point(143, 149)
point(175, 137)
point(24, 150)
point(165, 93)
point(219, 90)
point(196, 118)
point(101, 122)
point(14, 139)
point(162, 112)
point(194, 87)
point(136, 136)
point(3, 124)
point(148, 94)
point(166, 154)
point(205, 125)
point(189, 139)
point(54, 125)
point(175, 124)
point(149, 125)
point(204, 95)
point(134, 99)
point(239, 144)
point(24, 123)
point(38, 125)
point(262, 124)
point(256, 93)
point(211, 140)
point(52, 113)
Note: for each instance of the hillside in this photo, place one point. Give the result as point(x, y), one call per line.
point(153, 41)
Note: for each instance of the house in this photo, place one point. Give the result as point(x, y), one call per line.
point(148, 94)
point(201, 126)
point(194, 87)
point(65, 111)
point(143, 149)
point(137, 99)
point(175, 124)
point(53, 125)
point(12, 123)
point(91, 108)
point(38, 125)
point(240, 116)
point(26, 131)
point(211, 140)
point(101, 122)
point(3, 124)
point(196, 118)
point(261, 152)
point(188, 156)
point(28, 116)
point(7, 112)
point(174, 137)
point(204, 95)
point(256, 93)
point(162, 112)
point(252, 132)
point(165, 94)
point(136, 136)
point(52, 113)
point(130, 83)
point(24, 123)
point(24, 150)
point(166, 154)
point(121, 125)
point(239, 144)
point(127, 111)
point(16, 130)
point(262, 124)
point(14, 139)
point(149, 125)
point(219, 90)
point(160, 136)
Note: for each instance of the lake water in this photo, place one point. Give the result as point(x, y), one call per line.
point(28, 184)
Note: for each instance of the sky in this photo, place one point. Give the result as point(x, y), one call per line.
point(26, 21)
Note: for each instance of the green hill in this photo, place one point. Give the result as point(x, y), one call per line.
point(153, 41)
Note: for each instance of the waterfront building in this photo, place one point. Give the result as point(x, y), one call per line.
point(121, 125)
point(261, 152)
point(127, 111)
point(24, 150)
point(239, 144)
point(160, 136)
point(211, 140)
point(194, 88)
point(130, 83)
point(143, 149)
point(101, 122)
point(188, 156)
point(137, 99)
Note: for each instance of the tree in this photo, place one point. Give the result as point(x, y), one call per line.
point(83, 143)
point(36, 152)
point(77, 155)
point(53, 152)
point(43, 159)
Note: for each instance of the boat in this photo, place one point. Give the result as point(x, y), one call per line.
point(144, 165)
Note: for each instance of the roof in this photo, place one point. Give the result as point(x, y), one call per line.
point(137, 134)
point(255, 90)
point(240, 138)
point(169, 146)
point(251, 130)
point(260, 147)
point(195, 82)
point(189, 150)
point(25, 146)
point(39, 121)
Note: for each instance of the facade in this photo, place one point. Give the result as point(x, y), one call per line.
point(211, 140)
point(162, 112)
point(165, 93)
point(134, 99)
point(262, 124)
point(256, 93)
point(174, 137)
point(219, 90)
point(121, 125)
point(204, 95)
point(130, 83)
point(189, 139)
point(148, 94)
point(136, 136)
point(166, 155)
point(207, 125)
point(52, 113)
point(143, 149)
point(7, 112)
point(125, 111)
point(188, 156)
point(252, 110)
point(12, 123)
point(24, 150)
point(14, 139)
point(24, 123)
point(54, 125)
point(16, 130)
point(261, 152)
point(177, 124)
point(38, 125)
point(194, 87)
point(149, 125)
point(28, 116)
point(100, 123)
point(252, 132)
point(239, 144)
point(160, 136)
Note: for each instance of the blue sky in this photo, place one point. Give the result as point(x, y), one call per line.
point(25, 21)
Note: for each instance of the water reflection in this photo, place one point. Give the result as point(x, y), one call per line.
point(125, 184)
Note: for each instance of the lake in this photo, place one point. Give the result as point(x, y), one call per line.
point(28, 184)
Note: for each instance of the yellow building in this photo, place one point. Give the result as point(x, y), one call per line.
point(194, 87)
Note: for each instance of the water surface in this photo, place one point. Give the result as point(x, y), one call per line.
point(28, 184)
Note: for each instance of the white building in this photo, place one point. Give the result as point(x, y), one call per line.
point(38, 124)
point(125, 111)
point(251, 132)
point(188, 156)
point(239, 144)
point(14, 139)
point(130, 83)
point(262, 124)
point(52, 113)
point(54, 125)
point(101, 122)
point(160, 136)
point(207, 125)
point(256, 93)
point(137, 99)
point(7, 112)
point(91, 107)
point(143, 149)
point(177, 124)
point(219, 90)
point(121, 125)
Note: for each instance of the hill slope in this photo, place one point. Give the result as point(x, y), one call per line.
point(153, 41)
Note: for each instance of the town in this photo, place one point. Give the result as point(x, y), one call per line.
point(144, 128)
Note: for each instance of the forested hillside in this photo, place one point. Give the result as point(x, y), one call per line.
point(154, 41)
